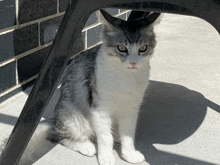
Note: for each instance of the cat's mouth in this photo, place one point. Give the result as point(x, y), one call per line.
point(134, 67)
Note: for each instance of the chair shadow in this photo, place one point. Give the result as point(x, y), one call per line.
point(47, 116)
point(169, 114)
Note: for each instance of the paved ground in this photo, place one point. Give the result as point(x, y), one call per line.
point(180, 117)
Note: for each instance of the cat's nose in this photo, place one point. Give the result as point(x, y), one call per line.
point(133, 63)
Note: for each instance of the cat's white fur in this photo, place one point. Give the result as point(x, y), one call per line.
point(115, 81)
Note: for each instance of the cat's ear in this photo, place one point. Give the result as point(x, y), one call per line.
point(151, 19)
point(109, 21)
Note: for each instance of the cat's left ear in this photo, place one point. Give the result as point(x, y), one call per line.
point(109, 21)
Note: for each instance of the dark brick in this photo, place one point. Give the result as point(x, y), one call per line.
point(63, 5)
point(92, 19)
point(6, 46)
point(48, 29)
point(30, 10)
point(30, 65)
point(7, 13)
point(7, 76)
point(93, 35)
point(25, 38)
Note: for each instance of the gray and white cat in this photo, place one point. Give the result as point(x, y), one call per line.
point(102, 91)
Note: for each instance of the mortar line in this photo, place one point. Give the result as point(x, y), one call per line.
point(58, 6)
point(30, 23)
point(6, 62)
point(9, 90)
point(39, 44)
point(16, 71)
point(33, 50)
point(86, 39)
point(17, 86)
point(17, 11)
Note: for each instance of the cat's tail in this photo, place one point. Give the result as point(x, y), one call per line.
point(37, 147)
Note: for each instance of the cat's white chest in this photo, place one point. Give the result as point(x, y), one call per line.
point(118, 88)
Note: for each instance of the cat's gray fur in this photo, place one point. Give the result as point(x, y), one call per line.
point(102, 90)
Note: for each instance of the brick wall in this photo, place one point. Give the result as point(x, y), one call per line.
point(27, 30)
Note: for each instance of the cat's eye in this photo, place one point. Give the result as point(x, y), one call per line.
point(143, 48)
point(122, 48)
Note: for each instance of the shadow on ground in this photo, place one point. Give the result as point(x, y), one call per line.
point(170, 113)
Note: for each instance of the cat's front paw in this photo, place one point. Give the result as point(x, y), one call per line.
point(106, 158)
point(133, 156)
point(86, 148)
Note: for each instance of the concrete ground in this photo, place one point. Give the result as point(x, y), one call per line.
point(179, 120)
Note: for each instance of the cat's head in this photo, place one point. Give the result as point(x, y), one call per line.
point(129, 42)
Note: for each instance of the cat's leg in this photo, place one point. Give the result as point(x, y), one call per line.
point(102, 125)
point(73, 130)
point(78, 137)
point(127, 126)
point(81, 143)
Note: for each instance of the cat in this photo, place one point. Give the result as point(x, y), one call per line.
point(102, 91)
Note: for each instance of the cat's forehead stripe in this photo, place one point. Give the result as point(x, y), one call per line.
point(126, 42)
point(132, 37)
point(141, 41)
point(138, 37)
